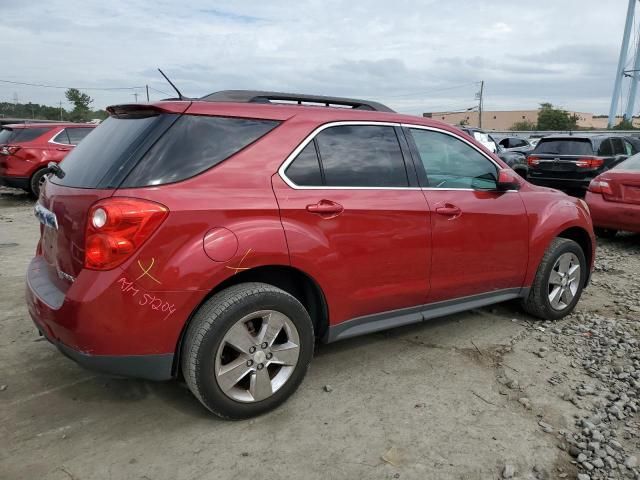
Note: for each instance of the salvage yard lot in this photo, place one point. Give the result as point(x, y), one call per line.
point(475, 395)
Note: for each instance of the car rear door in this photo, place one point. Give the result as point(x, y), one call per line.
point(480, 239)
point(356, 220)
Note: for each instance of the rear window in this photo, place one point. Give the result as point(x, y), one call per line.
point(96, 161)
point(21, 135)
point(631, 163)
point(567, 146)
point(195, 144)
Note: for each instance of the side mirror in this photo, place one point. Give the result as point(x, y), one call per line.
point(508, 180)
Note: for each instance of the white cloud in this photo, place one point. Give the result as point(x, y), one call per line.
point(401, 52)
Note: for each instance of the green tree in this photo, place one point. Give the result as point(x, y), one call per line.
point(463, 123)
point(523, 125)
point(551, 118)
point(81, 101)
point(625, 124)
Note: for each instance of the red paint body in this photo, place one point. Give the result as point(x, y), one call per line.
point(16, 169)
point(619, 207)
point(387, 250)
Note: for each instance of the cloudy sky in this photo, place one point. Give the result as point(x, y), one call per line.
point(415, 56)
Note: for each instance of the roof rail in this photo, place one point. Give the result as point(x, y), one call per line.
point(256, 96)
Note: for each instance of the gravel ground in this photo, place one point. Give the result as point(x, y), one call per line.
point(487, 394)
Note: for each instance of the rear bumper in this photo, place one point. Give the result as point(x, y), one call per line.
point(558, 183)
point(14, 182)
point(148, 367)
point(613, 215)
point(98, 326)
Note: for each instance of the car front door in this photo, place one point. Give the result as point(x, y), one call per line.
point(356, 220)
point(479, 235)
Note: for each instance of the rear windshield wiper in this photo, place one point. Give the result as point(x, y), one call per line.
point(56, 169)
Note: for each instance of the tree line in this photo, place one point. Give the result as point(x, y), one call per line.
point(81, 112)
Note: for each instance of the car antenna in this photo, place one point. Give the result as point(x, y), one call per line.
point(180, 96)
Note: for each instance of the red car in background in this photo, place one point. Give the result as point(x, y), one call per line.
point(26, 150)
point(614, 199)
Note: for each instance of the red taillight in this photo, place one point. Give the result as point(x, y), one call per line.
point(600, 186)
point(590, 162)
point(533, 161)
point(116, 227)
point(9, 149)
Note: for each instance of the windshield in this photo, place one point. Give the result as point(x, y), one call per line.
point(5, 136)
point(569, 146)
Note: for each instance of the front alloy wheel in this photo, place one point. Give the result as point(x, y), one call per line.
point(564, 281)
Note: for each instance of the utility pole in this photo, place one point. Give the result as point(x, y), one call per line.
point(622, 60)
point(147, 92)
point(135, 95)
point(60, 110)
point(479, 95)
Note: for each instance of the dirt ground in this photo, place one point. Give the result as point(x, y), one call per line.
point(481, 395)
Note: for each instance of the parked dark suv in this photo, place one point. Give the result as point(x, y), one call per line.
point(570, 162)
point(218, 239)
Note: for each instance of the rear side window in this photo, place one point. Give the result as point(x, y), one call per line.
point(569, 146)
point(62, 137)
point(22, 135)
point(77, 134)
point(195, 144)
point(361, 156)
point(305, 168)
point(618, 146)
point(107, 150)
point(605, 148)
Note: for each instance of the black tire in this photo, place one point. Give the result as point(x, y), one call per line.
point(605, 232)
point(34, 183)
point(537, 302)
point(207, 330)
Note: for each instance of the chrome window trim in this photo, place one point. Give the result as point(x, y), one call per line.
point(312, 135)
point(58, 143)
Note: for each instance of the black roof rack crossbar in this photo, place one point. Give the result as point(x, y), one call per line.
point(256, 96)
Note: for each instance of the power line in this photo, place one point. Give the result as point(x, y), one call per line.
point(66, 88)
point(432, 91)
point(160, 91)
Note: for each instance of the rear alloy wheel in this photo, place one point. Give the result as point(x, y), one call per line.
point(37, 181)
point(559, 281)
point(247, 349)
point(605, 232)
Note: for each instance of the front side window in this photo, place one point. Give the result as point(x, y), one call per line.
point(451, 163)
point(629, 148)
point(361, 156)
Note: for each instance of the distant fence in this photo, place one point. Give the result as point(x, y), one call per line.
point(544, 133)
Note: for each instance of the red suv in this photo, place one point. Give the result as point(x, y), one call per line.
point(217, 238)
point(27, 149)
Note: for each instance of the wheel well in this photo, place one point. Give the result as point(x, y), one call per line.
point(291, 280)
point(582, 238)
